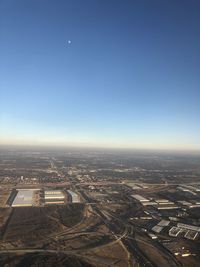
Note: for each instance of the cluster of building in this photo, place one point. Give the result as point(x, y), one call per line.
point(35, 197)
point(165, 204)
point(189, 189)
point(137, 186)
point(187, 204)
point(160, 204)
point(189, 231)
point(174, 229)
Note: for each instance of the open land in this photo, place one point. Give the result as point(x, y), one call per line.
point(62, 207)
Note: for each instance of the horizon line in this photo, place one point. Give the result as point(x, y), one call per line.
point(98, 147)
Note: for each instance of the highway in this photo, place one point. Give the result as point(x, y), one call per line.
point(125, 232)
point(116, 228)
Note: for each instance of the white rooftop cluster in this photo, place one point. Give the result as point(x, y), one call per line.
point(159, 203)
point(190, 231)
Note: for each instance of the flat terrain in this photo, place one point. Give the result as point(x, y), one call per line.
point(74, 229)
point(128, 204)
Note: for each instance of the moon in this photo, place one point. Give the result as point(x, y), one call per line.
point(69, 41)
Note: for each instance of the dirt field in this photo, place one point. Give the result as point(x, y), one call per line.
point(43, 260)
point(32, 226)
point(73, 229)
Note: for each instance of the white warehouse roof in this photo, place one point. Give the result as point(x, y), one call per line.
point(54, 194)
point(75, 197)
point(23, 198)
point(140, 198)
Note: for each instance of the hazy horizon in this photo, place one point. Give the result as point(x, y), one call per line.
point(65, 148)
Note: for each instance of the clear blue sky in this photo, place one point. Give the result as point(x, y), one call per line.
point(129, 78)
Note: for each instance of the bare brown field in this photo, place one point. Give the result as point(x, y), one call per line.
point(30, 226)
point(113, 253)
point(43, 259)
point(73, 229)
point(4, 195)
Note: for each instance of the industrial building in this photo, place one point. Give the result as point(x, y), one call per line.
point(191, 235)
point(174, 231)
point(192, 188)
point(195, 206)
point(152, 236)
point(140, 198)
point(162, 201)
point(184, 203)
point(54, 202)
point(185, 189)
point(167, 207)
point(164, 223)
point(188, 227)
point(73, 196)
point(24, 198)
point(54, 197)
point(191, 231)
point(159, 227)
point(134, 186)
point(55, 194)
point(150, 203)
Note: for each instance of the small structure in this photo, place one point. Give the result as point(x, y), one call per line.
point(184, 203)
point(191, 235)
point(150, 203)
point(164, 223)
point(191, 231)
point(140, 198)
point(167, 207)
point(152, 236)
point(174, 231)
point(157, 228)
point(162, 200)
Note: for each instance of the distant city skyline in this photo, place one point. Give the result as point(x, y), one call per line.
point(118, 74)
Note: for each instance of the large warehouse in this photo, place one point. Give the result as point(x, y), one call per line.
point(74, 197)
point(54, 197)
point(53, 194)
point(23, 198)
